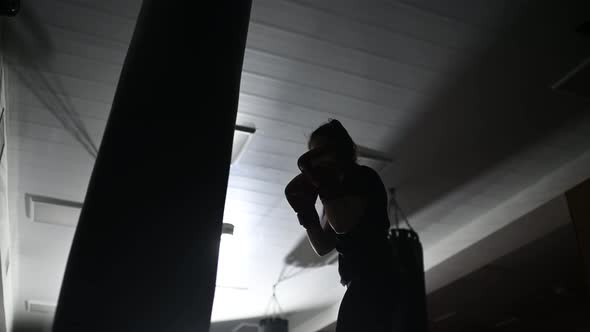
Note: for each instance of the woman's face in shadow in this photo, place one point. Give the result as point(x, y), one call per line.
point(325, 159)
point(317, 142)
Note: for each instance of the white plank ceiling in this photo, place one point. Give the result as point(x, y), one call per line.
point(456, 93)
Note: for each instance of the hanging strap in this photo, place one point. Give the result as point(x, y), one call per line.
point(398, 213)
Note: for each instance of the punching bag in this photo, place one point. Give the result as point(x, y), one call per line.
point(274, 325)
point(411, 313)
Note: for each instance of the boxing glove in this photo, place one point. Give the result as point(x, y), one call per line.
point(302, 195)
point(324, 170)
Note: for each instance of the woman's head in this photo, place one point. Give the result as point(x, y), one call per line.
point(334, 135)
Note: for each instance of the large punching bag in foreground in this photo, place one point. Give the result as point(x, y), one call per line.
point(144, 255)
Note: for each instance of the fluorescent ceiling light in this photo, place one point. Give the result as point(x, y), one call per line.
point(40, 307)
point(227, 229)
point(51, 210)
point(242, 137)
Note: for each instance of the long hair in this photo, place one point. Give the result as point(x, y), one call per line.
point(336, 135)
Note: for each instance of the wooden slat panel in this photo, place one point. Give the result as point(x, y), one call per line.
point(84, 20)
point(411, 21)
point(128, 8)
point(74, 66)
point(328, 79)
point(60, 84)
point(59, 39)
point(316, 99)
point(286, 121)
point(85, 107)
point(46, 117)
point(66, 183)
point(291, 44)
point(46, 133)
point(340, 29)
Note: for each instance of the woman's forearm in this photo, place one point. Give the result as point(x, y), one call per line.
point(320, 240)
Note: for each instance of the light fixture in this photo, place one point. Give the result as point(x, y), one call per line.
point(51, 210)
point(230, 261)
point(227, 229)
point(228, 242)
point(242, 137)
point(40, 307)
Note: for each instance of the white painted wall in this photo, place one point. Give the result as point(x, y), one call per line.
point(6, 266)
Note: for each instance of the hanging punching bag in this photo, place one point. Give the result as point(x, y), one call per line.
point(274, 325)
point(411, 314)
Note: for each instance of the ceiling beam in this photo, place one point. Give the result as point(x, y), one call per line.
point(550, 186)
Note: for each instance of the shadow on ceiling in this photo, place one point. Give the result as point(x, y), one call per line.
point(28, 50)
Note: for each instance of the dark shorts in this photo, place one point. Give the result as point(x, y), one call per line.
point(368, 305)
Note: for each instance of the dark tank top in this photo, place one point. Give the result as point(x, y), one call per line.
point(364, 251)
